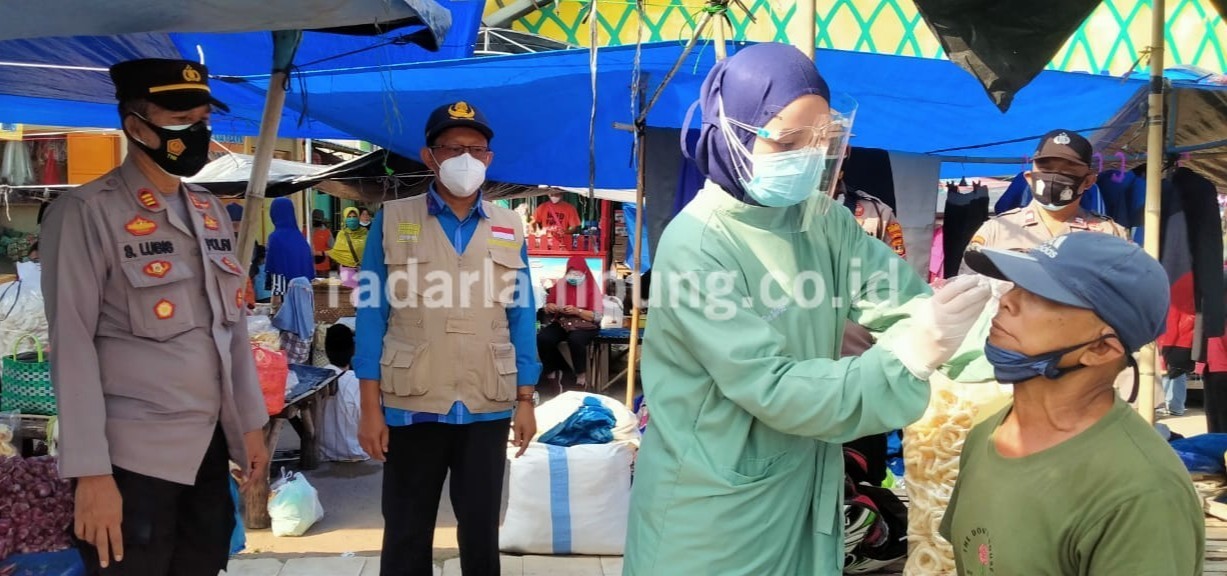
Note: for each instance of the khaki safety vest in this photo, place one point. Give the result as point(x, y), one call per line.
point(448, 337)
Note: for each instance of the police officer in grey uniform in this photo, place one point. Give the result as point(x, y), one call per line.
point(1060, 175)
point(155, 382)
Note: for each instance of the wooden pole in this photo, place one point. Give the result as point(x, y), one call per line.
point(1148, 358)
point(720, 38)
point(253, 210)
point(801, 29)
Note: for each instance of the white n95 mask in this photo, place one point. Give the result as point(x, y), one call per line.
point(462, 175)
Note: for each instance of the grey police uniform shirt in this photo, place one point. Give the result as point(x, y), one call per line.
point(1023, 228)
point(149, 345)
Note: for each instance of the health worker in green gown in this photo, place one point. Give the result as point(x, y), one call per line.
point(740, 470)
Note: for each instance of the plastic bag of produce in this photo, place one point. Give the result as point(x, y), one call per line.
point(261, 331)
point(273, 370)
point(294, 505)
point(36, 507)
point(931, 450)
point(10, 423)
point(21, 315)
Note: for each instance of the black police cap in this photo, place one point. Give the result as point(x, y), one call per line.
point(172, 84)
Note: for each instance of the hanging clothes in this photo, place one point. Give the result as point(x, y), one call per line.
point(15, 168)
point(1124, 197)
point(937, 255)
point(965, 213)
point(1191, 241)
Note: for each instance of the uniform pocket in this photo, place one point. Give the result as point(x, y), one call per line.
point(159, 303)
point(402, 369)
point(506, 266)
point(501, 388)
point(230, 284)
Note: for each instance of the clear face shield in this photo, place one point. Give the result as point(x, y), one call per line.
point(795, 166)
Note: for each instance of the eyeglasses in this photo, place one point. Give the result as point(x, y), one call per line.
point(802, 137)
point(452, 150)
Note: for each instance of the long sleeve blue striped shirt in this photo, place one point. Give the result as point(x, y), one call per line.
point(372, 322)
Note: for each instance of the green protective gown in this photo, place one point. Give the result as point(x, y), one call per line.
point(741, 468)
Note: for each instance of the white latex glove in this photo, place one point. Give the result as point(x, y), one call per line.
point(998, 287)
point(940, 327)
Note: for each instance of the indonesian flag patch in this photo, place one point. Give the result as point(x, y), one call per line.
point(501, 233)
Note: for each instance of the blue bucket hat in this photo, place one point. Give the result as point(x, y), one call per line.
point(1111, 277)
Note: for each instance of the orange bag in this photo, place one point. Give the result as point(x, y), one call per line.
point(273, 369)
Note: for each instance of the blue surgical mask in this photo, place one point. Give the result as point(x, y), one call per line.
point(351, 223)
point(575, 280)
point(1011, 367)
point(785, 178)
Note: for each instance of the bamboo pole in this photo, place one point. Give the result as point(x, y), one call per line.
point(720, 38)
point(1154, 186)
point(802, 30)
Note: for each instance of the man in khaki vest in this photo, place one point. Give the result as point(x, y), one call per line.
point(155, 382)
point(446, 351)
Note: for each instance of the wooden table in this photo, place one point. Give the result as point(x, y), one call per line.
point(303, 405)
point(599, 353)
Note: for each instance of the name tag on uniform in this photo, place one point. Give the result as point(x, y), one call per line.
point(408, 232)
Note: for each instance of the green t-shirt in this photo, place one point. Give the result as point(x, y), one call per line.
point(1113, 500)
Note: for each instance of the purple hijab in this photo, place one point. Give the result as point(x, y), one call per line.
point(762, 79)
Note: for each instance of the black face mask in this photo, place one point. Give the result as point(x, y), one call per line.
point(183, 152)
point(1054, 190)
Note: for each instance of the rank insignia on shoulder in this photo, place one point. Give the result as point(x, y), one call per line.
point(157, 269)
point(210, 222)
point(164, 309)
point(141, 227)
point(231, 265)
point(198, 202)
point(148, 199)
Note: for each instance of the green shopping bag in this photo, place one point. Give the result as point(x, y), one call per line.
point(26, 383)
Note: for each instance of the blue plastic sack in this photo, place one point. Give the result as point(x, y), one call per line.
point(238, 538)
point(591, 423)
point(65, 563)
point(1202, 453)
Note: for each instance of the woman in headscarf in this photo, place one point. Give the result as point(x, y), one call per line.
point(347, 252)
point(573, 315)
point(289, 254)
point(741, 471)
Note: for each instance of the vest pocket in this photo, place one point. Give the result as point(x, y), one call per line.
point(506, 266)
point(402, 372)
point(502, 387)
point(159, 304)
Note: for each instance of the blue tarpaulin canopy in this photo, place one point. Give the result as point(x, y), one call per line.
point(63, 81)
point(539, 105)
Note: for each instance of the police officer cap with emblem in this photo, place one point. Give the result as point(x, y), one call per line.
point(456, 115)
point(172, 84)
point(1065, 144)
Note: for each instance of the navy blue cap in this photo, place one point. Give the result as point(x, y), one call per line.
point(1113, 278)
point(456, 114)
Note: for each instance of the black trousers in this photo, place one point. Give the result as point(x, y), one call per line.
point(418, 459)
point(170, 529)
point(1215, 391)
point(554, 334)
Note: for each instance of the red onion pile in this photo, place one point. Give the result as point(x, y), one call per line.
point(36, 507)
